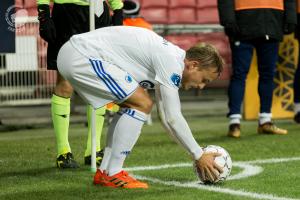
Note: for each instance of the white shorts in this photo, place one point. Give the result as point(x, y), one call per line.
point(95, 80)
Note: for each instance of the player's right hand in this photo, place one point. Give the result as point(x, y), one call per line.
point(47, 27)
point(208, 168)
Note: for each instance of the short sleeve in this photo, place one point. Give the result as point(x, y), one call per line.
point(168, 68)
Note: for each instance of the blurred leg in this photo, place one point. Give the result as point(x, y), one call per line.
point(241, 60)
point(60, 109)
point(267, 54)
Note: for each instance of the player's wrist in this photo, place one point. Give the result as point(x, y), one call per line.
point(198, 153)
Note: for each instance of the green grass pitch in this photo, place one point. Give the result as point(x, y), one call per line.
point(27, 165)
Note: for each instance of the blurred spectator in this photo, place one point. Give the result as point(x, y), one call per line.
point(297, 74)
point(71, 17)
point(260, 25)
point(131, 12)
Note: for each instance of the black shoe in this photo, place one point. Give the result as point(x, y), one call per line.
point(297, 118)
point(99, 157)
point(66, 161)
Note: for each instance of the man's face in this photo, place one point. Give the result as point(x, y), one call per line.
point(195, 77)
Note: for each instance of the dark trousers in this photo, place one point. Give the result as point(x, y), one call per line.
point(267, 54)
point(297, 82)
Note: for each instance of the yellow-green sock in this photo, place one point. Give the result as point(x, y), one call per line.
point(60, 110)
point(100, 112)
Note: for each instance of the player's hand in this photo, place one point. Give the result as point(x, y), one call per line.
point(117, 18)
point(232, 31)
point(289, 28)
point(47, 27)
point(208, 168)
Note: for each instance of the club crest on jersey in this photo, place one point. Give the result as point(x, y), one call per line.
point(176, 79)
point(128, 78)
point(147, 84)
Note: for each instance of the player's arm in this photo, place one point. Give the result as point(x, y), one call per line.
point(168, 104)
point(47, 27)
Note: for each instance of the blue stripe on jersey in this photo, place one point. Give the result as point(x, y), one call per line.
point(103, 79)
point(109, 76)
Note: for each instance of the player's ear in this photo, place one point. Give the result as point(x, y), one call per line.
point(195, 65)
point(191, 64)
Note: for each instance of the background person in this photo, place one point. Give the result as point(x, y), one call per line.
point(259, 25)
point(71, 17)
point(132, 16)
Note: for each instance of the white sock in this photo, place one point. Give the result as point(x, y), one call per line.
point(109, 141)
point(297, 107)
point(235, 119)
point(264, 118)
point(126, 133)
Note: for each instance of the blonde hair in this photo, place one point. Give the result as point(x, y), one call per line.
point(207, 55)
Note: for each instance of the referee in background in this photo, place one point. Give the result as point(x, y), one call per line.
point(71, 17)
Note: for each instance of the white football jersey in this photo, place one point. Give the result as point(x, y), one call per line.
point(146, 56)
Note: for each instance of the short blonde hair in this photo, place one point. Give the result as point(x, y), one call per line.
point(207, 55)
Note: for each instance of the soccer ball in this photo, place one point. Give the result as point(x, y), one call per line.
point(223, 161)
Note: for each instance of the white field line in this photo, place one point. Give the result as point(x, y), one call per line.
point(167, 166)
point(216, 189)
point(271, 160)
point(248, 170)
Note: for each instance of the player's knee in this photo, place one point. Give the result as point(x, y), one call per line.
point(147, 105)
point(63, 89)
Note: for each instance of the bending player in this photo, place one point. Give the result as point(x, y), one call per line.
point(104, 67)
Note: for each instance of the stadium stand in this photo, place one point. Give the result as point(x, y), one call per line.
point(183, 22)
point(31, 7)
point(207, 15)
point(183, 3)
point(154, 3)
point(207, 3)
point(184, 41)
point(19, 3)
point(155, 15)
point(182, 15)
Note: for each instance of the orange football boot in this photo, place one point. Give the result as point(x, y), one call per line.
point(100, 178)
point(119, 180)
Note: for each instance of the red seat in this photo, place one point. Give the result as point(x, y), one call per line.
point(208, 16)
point(30, 4)
point(154, 3)
point(219, 40)
point(184, 41)
point(182, 15)
point(32, 11)
point(155, 15)
point(207, 3)
point(19, 3)
point(182, 3)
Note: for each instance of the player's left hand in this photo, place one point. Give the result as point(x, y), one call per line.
point(47, 28)
point(117, 18)
point(208, 168)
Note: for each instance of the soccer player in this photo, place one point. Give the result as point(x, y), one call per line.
point(71, 17)
point(103, 67)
